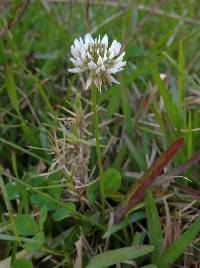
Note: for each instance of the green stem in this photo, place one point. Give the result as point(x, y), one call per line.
point(9, 207)
point(98, 150)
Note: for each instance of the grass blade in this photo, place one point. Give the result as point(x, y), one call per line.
point(164, 92)
point(11, 88)
point(115, 256)
point(154, 226)
point(173, 252)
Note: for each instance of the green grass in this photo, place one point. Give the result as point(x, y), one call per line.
point(62, 225)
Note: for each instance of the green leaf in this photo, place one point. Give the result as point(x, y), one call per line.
point(115, 256)
point(112, 180)
point(42, 217)
point(35, 243)
point(53, 179)
point(92, 192)
point(13, 190)
point(22, 263)
point(154, 226)
point(26, 225)
point(174, 251)
point(63, 213)
point(29, 135)
point(40, 201)
point(11, 88)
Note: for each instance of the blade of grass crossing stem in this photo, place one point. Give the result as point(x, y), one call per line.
point(120, 156)
point(14, 164)
point(114, 103)
point(11, 88)
point(128, 124)
point(8, 205)
point(154, 226)
point(34, 78)
point(127, 112)
point(28, 152)
point(135, 152)
point(173, 252)
point(164, 92)
point(180, 81)
point(111, 257)
point(13, 96)
point(189, 135)
point(75, 214)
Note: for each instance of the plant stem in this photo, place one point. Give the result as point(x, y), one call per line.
point(98, 150)
point(8, 206)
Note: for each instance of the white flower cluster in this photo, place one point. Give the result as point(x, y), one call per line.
point(95, 57)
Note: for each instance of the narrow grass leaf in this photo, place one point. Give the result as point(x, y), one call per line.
point(131, 219)
point(180, 79)
point(115, 256)
point(8, 206)
point(26, 151)
point(173, 252)
point(11, 88)
point(154, 226)
point(170, 106)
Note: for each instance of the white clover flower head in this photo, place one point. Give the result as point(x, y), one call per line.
point(97, 59)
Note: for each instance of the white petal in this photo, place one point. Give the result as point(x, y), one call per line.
point(81, 41)
point(113, 80)
point(120, 58)
point(114, 70)
point(115, 47)
point(103, 68)
point(162, 76)
point(88, 39)
point(99, 39)
point(75, 52)
point(111, 55)
point(92, 66)
point(83, 54)
point(98, 83)
point(89, 82)
point(100, 61)
point(98, 70)
point(76, 70)
point(105, 56)
point(119, 65)
point(76, 43)
point(105, 40)
point(89, 56)
point(77, 62)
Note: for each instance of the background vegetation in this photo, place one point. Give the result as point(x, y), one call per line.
point(46, 221)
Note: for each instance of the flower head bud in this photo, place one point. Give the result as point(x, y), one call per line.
point(97, 59)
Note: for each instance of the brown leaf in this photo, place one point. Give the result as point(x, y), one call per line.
point(136, 192)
